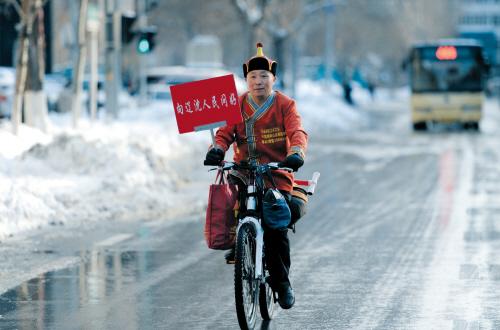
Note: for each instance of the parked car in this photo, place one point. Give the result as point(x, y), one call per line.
point(160, 79)
point(53, 86)
point(7, 86)
point(64, 101)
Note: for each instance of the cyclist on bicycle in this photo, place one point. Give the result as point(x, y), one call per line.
point(271, 132)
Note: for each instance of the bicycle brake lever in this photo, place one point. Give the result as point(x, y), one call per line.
point(275, 166)
point(227, 166)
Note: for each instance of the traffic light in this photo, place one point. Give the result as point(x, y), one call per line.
point(146, 40)
point(127, 33)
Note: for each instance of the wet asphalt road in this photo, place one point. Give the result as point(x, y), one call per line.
point(403, 233)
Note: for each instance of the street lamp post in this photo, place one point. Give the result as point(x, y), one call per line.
point(142, 24)
point(113, 66)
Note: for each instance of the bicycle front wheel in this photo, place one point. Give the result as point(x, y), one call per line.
point(266, 300)
point(246, 287)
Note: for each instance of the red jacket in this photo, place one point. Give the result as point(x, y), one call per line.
point(269, 133)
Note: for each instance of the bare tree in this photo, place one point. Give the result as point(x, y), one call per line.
point(284, 22)
point(252, 13)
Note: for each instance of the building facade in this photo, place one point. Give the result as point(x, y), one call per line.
point(481, 19)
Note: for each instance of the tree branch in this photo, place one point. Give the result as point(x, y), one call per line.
point(252, 16)
point(16, 6)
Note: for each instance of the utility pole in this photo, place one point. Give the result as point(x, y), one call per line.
point(113, 63)
point(80, 64)
point(93, 29)
point(329, 9)
point(142, 24)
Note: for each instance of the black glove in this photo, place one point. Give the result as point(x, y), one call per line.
point(294, 161)
point(214, 157)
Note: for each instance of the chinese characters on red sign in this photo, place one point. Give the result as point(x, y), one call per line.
point(197, 106)
point(206, 104)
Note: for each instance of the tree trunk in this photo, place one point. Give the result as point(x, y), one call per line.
point(35, 100)
point(22, 64)
point(251, 26)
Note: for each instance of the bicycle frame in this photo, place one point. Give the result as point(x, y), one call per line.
point(252, 205)
point(254, 193)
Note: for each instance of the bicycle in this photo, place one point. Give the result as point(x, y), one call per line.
point(250, 272)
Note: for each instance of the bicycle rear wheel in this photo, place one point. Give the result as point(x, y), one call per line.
point(246, 287)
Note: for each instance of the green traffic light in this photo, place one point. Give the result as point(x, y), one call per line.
point(143, 46)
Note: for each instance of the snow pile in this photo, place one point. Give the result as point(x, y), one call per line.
point(114, 171)
point(131, 168)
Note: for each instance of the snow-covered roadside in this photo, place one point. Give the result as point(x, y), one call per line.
point(124, 169)
point(137, 167)
point(323, 110)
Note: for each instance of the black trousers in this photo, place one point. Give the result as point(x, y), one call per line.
point(277, 252)
point(277, 246)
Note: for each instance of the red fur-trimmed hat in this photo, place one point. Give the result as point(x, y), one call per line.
point(260, 62)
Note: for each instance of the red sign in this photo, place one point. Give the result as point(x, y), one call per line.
point(205, 104)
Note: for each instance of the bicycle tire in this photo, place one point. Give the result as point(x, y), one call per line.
point(266, 300)
point(246, 287)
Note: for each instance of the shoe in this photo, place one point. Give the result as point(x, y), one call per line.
point(286, 298)
point(230, 256)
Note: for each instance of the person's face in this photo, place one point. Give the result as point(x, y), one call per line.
point(260, 83)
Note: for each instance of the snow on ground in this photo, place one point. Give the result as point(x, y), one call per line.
point(489, 123)
point(323, 110)
point(130, 168)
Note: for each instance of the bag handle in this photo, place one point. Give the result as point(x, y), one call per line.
point(270, 176)
point(220, 178)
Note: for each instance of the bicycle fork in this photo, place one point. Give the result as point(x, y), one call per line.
point(259, 243)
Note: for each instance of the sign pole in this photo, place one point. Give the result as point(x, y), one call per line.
point(210, 127)
point(213, 136)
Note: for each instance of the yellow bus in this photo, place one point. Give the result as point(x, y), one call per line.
point(447, 79)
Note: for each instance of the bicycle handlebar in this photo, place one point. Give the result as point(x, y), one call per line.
point(225, 166)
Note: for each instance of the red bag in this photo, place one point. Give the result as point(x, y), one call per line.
point(220, 224)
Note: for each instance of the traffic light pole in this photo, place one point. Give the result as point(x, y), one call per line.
point(143, 22)
point(329, 10)
point(113, 66)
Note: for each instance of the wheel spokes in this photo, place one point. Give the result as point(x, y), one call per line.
point(249, 286)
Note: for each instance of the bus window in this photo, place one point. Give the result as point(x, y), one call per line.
point(462, 72)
